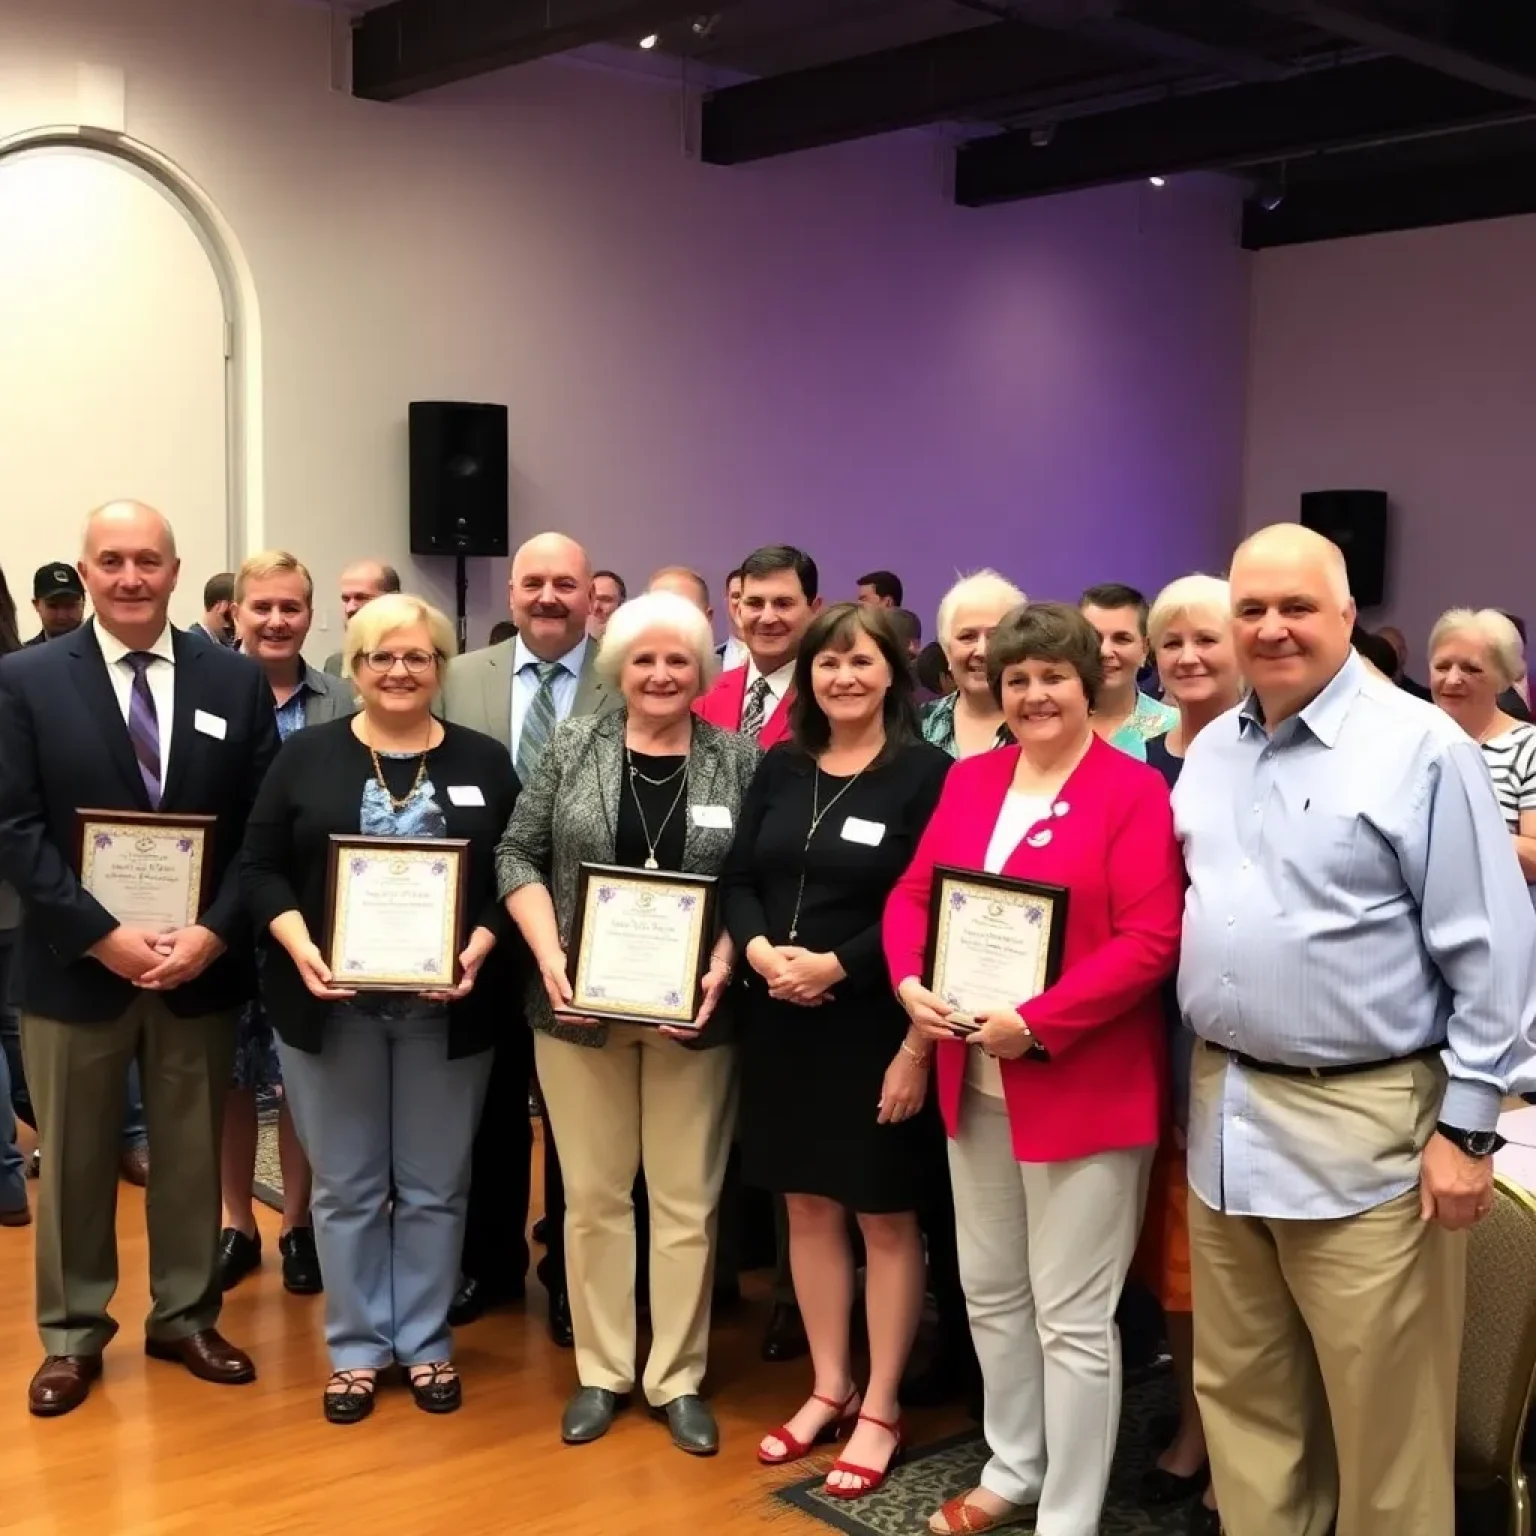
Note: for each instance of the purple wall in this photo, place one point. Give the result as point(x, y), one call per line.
point(823, 350)
point(1404, 362)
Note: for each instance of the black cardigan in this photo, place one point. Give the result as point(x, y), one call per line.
point(315, 788)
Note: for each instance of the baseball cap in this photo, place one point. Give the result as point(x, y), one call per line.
point(57, 580)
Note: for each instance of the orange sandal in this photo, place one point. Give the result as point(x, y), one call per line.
point(795, 1450)
point(868, 1476)
point(959, 1517)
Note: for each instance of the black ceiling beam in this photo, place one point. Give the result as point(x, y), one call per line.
point(1365, 103)
point(1115, 24)
point(1410, 199)
point(1491, 43)
point(976, 72)
point(416, 45)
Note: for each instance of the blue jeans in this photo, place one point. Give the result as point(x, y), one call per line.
point(13, 1175)
point(17, 1098)
point(381, 1103)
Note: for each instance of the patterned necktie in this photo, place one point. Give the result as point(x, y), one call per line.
point(539, 724)
point(755, 712)
point(144, 724)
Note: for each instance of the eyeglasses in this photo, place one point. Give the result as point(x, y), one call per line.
point(414, 662)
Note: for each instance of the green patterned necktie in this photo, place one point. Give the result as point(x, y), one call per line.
point(540, 722)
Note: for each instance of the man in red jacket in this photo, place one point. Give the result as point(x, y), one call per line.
point(779, 598)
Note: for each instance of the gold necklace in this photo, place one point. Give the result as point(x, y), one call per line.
point(383, 783)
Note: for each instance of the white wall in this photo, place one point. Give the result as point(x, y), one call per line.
point(1407, 363)
point(111, 366)
point(821, 349)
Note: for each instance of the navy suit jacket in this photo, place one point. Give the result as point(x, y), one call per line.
point(64, 747)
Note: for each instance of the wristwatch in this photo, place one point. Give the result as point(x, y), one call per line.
point(1474, 1143)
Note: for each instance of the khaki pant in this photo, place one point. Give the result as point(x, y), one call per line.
point(78, 1076)
point(1326, 1352)
point(640, 1101)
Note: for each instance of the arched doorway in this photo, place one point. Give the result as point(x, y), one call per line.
point(66, 185)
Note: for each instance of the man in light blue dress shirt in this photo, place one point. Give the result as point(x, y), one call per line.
point(1359, 965)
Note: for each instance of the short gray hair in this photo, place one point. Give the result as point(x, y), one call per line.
point(1493, 629)
point(667, 612)
point(984, 586)
point(1189, 594)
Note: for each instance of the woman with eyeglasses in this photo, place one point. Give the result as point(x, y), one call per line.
point(385, 1088)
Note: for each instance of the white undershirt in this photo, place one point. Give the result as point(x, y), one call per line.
point(778, 681)
point(161, 676)
point(1018, 814)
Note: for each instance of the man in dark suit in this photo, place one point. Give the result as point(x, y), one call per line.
point(517, 692)
point(128, 715)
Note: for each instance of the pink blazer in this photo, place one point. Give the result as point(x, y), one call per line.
point(722, 706)
point(1112, 845)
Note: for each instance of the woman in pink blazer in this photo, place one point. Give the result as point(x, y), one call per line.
point(1053, 1106)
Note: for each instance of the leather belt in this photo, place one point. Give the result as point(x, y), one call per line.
point(1332, 1069)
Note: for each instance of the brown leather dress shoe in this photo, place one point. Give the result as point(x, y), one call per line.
point(134, 1165)
point(208, 1355)
point(61, 1384)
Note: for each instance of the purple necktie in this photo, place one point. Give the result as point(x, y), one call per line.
point(144, 724)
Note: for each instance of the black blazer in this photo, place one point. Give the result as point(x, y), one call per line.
point(64, 745)
point(315, 788)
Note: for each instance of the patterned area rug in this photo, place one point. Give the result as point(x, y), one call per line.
point(269, 1170)
point(937, 1472)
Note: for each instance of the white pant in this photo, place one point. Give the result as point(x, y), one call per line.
point(1044, 1250)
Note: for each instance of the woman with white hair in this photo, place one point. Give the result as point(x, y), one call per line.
point(1189, 628)
point(649, 785)
point(385, 1087)
point(1473, 658)
point(969, 720)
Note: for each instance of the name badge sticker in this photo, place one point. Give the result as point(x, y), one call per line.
point(712, 816)
point(465, 794)
point(857, 830)
point(210, 725)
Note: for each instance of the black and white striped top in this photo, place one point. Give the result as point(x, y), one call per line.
point(1512, 764)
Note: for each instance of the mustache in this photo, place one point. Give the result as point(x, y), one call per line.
point(550, 611)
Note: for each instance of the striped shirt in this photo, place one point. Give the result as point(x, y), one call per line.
point(1511, 760)
point(1354, 897)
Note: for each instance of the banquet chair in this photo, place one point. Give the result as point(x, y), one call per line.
point(1498, 1352)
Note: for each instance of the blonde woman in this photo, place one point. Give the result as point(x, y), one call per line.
point(649, 785)
point(1190, 630)
point(385, 1088)
point(969, 720)
point(1474, 658)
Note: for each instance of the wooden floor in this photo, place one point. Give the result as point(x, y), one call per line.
point(155, 1453)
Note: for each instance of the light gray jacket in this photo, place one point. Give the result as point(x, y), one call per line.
point(330, 698)
point(569, 815)
point(477, 691)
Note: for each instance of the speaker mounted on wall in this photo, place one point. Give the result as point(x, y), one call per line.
point(458, 478)
point(1357, 522)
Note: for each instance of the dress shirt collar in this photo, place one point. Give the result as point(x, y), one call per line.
point(1324, 716)
point(113, 650)
point(778, 682)
point(572, 660)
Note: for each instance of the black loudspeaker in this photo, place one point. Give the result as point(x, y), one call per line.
point(1357, 522)
point(458, 478)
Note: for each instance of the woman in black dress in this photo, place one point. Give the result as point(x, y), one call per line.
point(834, 1084)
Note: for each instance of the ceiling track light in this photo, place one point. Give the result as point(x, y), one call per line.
point(649, 41)
point(1157, 181)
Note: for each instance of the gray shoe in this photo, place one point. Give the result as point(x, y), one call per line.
point(589, 1415)
point(692, 1424)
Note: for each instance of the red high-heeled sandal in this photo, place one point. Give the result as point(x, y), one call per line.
point(870, 1479)
point(833, 1429)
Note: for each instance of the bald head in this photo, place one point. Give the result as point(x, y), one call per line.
point(134, 519)
point(685, 582)
point(550, 590)
point(1289, 544)
point(1291, 615)
point(129, 566)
